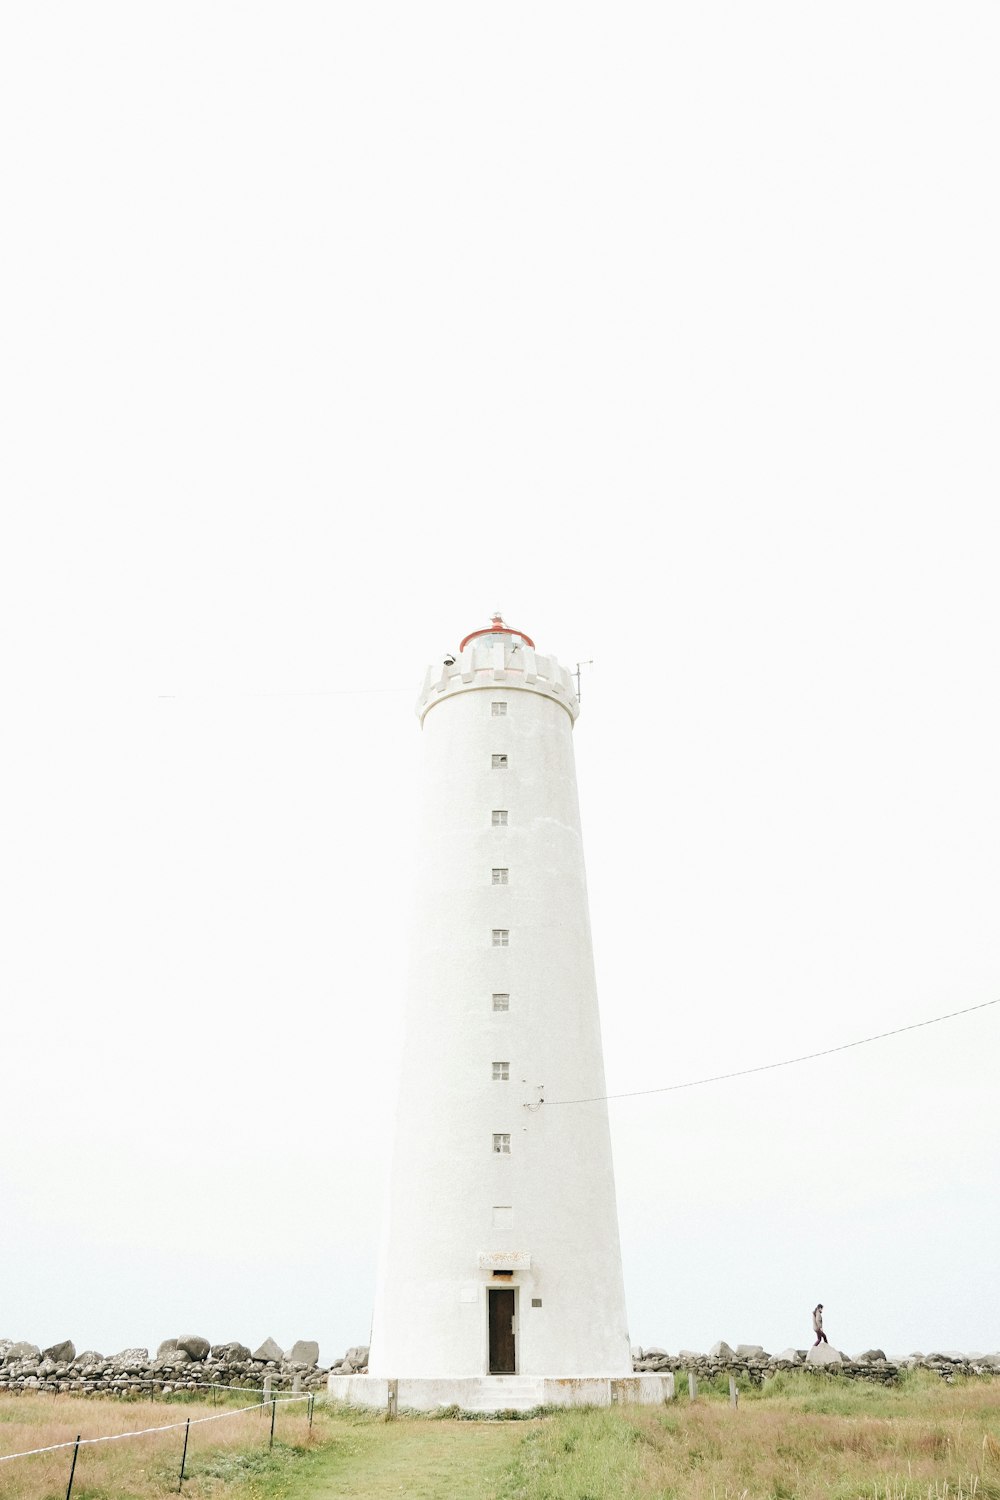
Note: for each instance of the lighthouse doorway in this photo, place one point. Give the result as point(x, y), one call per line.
point(503, 1360)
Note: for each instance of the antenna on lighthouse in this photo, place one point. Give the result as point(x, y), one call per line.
point(576, 674)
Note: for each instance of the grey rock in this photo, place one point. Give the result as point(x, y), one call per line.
point(88, 1357)
point(231, 1354)
point(358, 1356)
point(21, 1350)
point(167, 1347)
point(173, 1358)
point(751, 1351)
point(824, 1354)
point(46, 1368)
point(654, 1353)
point(63, 1354)
point(788, 1356)
point(872, 1354)
point(721, 1350)
point(686, 1354)
point(306, 1352)
point(194, 1345)
point(130, 1361)
point(949, 1356)
point(268, 1351)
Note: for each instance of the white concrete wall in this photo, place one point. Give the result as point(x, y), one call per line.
point(431, 1311)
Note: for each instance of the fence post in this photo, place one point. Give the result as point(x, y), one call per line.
point(390, 1414)
point(267, 1392)
point(76, 1449)
point(734, 1395)
point(274, 1407)
point(187, 1432)
point(296, 1384)
point(692, 1384)
point(312, 1402)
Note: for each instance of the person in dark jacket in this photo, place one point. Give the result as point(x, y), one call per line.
point(821, 1337)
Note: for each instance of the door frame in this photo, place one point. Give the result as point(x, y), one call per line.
point(508, 1286)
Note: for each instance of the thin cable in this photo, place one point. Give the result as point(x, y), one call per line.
point(116, 1437)
point(287, 693)
point(787, 1062)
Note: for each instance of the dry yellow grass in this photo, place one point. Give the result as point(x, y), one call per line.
point(231, 1447)
point(802, 1440)
point(798, 1439)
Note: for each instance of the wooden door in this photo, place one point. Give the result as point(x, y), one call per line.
point(502, 1358)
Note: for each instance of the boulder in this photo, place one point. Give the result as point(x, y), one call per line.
point(268, 1351)
point(357, 1357)
point(824, 1354)
point(949, 1357)
point(63, 1354)
point(654, 1353)
point(88, 1357)
point(21, 1350)
point(230, 1354)
point(787, 1357)
point(721, 1350)
point(167, 1347)
point(131, 1361)
point(872, 1354)
point(194, 1346)
point(173, 1358)
point(751, 1351)
point(306, 1352)
point(687, 1355)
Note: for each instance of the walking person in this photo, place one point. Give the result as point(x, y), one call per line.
point(821, 1337)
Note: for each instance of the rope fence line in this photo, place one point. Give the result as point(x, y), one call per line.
point(117, 1437)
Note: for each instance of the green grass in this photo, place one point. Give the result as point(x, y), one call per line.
point(797, 1437)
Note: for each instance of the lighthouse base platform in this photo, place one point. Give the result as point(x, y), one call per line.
point(498, 1393)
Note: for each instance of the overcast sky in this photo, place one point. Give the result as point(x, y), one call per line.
point(671, 329)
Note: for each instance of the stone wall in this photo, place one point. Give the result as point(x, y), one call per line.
point(189, 1363)
point(756, 1364)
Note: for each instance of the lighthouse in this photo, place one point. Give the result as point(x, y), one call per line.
point(500, 1283)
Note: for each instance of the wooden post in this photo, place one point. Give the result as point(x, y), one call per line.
point(274, 1407)
point(390, 1412)
point(734, 1395)
point(267, 1392)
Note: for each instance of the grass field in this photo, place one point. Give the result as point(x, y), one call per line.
point(800, 1438)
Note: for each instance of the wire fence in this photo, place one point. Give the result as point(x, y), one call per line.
point(272, 1401)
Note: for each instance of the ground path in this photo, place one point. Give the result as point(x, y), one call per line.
point(418, 1460)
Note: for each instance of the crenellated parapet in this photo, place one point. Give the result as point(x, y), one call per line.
point(498, 659)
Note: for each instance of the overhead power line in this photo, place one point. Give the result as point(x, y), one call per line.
point(787, 1062)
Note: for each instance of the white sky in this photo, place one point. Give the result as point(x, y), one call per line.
point(671, 329)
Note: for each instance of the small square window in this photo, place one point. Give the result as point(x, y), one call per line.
point(501, 1002)
point(499, 817)
point(501, 1145)
point(499, 762)
point(501, 1072)
point(501, 937)
point(499, 710)
point(500, 877)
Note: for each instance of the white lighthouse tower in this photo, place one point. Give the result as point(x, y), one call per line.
point(501, 1280)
